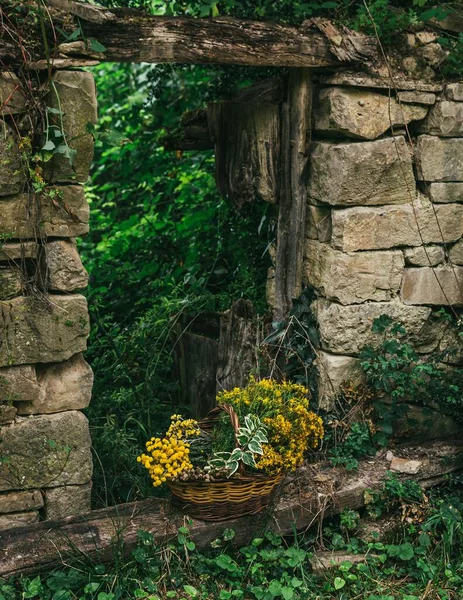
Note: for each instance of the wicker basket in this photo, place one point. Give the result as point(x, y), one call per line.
point(228, 499)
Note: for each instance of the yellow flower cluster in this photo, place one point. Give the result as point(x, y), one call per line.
point(168, 457)
point(284, 409)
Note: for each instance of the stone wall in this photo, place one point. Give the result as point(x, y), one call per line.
point(385, 217)
point(45, 451)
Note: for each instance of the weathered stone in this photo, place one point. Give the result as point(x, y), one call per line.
point(443, 193)
point(18, 384)
point(46, 451)
point(69, 500)
point(439, 159)
point(361, 114)
point(12, 97)
point(422, 424)
point(350, 78)
point(426, 37)
point(64, 215)
point(318, 223)
point(424, 256)
point(456, 253)
point(372, 228)
point(333, 372)
point(346, 329)
point(17, 251)
point(12, 172)
point(11, 283)
point(433, 54)
point(426, 98)
point(437, 286)
point(452, 346)
point(20, 501)
point(18, 519)
point(445, 119)
point(355, 277)
point(454, 91)
point(41, 331)
point(63, 386)
point(63, 267)
point(75, 96)
point(367, 173)
point(7, 413)
point(405, 465)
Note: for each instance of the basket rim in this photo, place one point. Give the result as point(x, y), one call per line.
point(239, 479)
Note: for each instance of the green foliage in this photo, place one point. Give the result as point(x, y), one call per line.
point(422, 559)
point(396, 371)
point(394, 493)
point(357, 444)
point(250, 437)
point(163, 248)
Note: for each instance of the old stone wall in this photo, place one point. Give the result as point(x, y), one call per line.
point(385, 217)
point(45, 450)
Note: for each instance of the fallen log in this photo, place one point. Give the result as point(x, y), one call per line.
point(317, 491)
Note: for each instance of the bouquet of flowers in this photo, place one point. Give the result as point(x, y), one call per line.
point(264, 428)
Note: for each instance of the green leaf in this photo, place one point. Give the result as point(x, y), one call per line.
point(49, 145)
point(287, 593)
point(406, 551)
point(191, 591)
point(339, 583)
point(95, 46)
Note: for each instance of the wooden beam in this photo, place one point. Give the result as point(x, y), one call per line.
point(317, 491)
point(133, 36)
point(295, 139)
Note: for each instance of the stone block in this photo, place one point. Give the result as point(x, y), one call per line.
point(18, 519)
point(64, 215)
point(426, 98)
point(63, 386)
point(41, 331)
point(456, 253)
point(439, 159)
point(12, 97)
point(446, 193)
point(365, 173)
point(445, 119)
point(347, 329)
point(63, 267)
point(7, 413)
point(454, 91)
point(46, 451)
point(66, 501)
point(424, 256)
point(350, 78)
point(405, 465)
point(318, 223)
point(19, 384)
point(422, 424)
point(362, 114)
point(333, 372)
point(17, 251)
point(11, 283)
point(12, 171)
point(76, 97)
point(372, 228)
point(439, 286)
point(20, 501)
point(354, 277)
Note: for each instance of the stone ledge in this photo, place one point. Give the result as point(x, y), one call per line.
point(46, 451)
point(361, 173)
point(439, 159)
point(66, 215)
point(20, 501)
point(31, 331)
point(355, 277)
point(439, 286)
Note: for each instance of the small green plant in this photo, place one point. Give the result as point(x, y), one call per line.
point(250, 437)
point(357, 444)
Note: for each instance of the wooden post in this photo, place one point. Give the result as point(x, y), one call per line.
point(295, 140)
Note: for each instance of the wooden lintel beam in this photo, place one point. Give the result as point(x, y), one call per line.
point(133, 36)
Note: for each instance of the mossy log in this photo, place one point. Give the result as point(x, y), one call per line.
point(317, 491)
